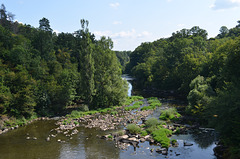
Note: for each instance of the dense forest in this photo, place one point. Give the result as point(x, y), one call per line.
point(41, 72)
point(206, 71)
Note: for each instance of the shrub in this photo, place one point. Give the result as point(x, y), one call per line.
point(161, 136)
point(144, 133)
point(152, 122)
point(169, 114)
point(76, 114)
point(83, 108)
point(133, 129)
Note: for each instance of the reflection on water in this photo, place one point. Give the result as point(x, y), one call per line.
point(87, 145)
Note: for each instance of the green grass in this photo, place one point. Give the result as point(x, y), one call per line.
point(170, 114)
point(133, 129)
point(148, 108)
point(161, 136)
point(131, 99)
point(131, 108)
point(114, 113)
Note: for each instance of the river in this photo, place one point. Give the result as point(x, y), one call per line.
point(29, 142)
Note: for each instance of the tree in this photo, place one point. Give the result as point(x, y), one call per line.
point(86, 62)
point(43, 40)
point(6, 18)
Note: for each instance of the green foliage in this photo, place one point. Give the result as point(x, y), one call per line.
point(129, 108)
point(199, 96)
point(161, 136)
point(144, 133)
point(131, 99)
point(110, 136)
point(169, 114)
point(133, 129)
point(152, 122)
point(45, 73)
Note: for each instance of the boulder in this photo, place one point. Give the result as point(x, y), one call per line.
point(132, 139)
point(123, 137)
point(142, 140)
point(187, 144)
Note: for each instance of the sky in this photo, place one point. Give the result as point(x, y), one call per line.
point(128, 22)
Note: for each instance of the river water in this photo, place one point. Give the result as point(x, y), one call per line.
point(29, 142)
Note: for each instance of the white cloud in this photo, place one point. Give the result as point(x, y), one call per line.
point(114, 5)
point(235, 1)
point(125, 39)
point(117, 22)
point(225, 4)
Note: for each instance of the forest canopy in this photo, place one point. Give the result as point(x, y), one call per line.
point(43, 72)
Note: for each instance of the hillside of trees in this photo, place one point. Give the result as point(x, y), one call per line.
point(206, 71)
point(42, 73)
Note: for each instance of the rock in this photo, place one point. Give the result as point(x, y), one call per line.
point(48, 139)
point(1, 132)
point(28, 138)
point(164, 152)
point(34, 138)
point(123, 137)
point(177, 154)
point(187, 144)
point(53, 135)
point(59, 140)
point(147, 137)
point(158, 150)
point(132, 139)
point(142, 140)
point(151, 141)
point(219, 151)
point(5, 130)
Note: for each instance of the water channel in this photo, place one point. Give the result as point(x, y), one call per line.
point(29, 142)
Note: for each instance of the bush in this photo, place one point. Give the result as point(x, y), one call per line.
point(152, 122)
point(76, 114)
point(169, 114)
point(144, 133)
point(161, 136)
point(133, 129)
point(83, 108)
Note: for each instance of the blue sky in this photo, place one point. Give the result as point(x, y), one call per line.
point(128, 22)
